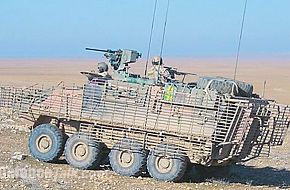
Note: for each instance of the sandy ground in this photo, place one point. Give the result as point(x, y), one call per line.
point(276, 73)
point(263, 173)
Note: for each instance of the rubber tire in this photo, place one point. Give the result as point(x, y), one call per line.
point(57, 138)
point(94, 155)
point(140, 158)
point(177, 172)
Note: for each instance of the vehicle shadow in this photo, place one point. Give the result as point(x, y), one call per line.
point(104, 163)
point(248, 175)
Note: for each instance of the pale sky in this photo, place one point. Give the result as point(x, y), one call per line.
point(196, 28)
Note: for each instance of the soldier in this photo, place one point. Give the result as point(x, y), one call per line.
point(158, 72)
point(100, 75)
point(103, 69)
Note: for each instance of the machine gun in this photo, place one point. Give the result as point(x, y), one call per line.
point(119, 59)
point(173, 72)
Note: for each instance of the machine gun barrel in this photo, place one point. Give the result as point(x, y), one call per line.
point(101, 50)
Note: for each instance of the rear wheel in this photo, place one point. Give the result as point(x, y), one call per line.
point(166, 167)
point(82, 153)
point(46, 143)
point(128, 158)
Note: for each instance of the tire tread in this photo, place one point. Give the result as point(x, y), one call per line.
point(60, 143)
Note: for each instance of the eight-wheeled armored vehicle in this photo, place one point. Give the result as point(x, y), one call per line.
point(154, 123)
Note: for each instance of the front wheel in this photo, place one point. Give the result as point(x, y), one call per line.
point(46, 143)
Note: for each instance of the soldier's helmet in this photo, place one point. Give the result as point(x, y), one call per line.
point(157, 60)
point(102, 67)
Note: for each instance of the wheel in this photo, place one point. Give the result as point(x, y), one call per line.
point(82, 153)
point(46, 143)
point(166, 167)
point(128, 158)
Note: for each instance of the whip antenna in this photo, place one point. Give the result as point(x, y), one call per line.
point(164, 28)
point(150, 38)
point(264, 88)
point(240, 39)
point(163, 38)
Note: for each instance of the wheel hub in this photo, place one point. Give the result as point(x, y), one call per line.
point(163, 164)
point(126, 158)
point(80, 151)
point(43, 143)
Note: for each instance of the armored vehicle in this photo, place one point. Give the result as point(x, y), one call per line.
point(156, 123)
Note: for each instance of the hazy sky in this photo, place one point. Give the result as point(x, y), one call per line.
point(196, 28)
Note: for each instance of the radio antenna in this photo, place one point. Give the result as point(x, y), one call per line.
point(164, 28)
point(240, 39)
point(163, 39)
point(264, 88)
point(150, 38)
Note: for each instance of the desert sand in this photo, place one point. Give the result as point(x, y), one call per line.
point(276, 73)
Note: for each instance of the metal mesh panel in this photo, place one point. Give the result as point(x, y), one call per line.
point(6, 96)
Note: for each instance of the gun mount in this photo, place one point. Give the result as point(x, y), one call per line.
point(119, 59)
